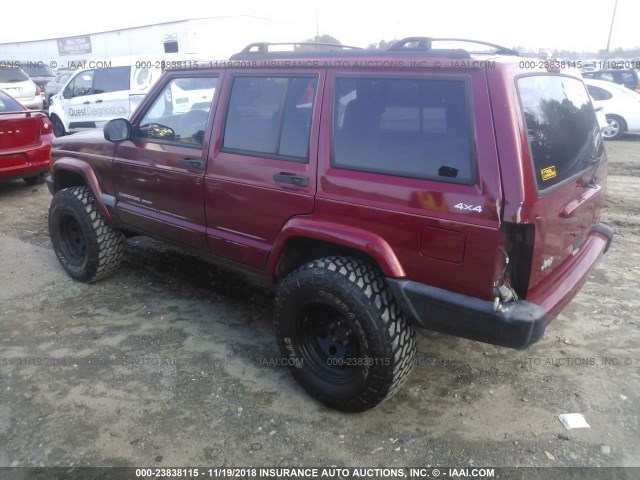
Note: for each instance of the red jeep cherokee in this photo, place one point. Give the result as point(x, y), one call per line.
point(380, 191)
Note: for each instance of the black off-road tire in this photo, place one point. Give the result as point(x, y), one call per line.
point(342, 334)
point(88, 249)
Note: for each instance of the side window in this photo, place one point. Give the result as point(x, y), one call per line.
point(112, 79)
point(270, 117)
point(607, 76)
point(82, 84)
point(598, 93)
point(416, 128)
point(180, 112)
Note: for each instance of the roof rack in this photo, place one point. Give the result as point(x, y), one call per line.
point(263, 47)
point(423, 44)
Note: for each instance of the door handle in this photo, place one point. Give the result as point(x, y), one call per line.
point(99, 101)
point(292, 179)
point(86, 103)
point(188, 162)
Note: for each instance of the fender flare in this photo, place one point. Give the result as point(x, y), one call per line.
point(338, 234)
point(85, 171)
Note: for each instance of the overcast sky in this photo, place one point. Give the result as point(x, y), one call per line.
point(581, 25)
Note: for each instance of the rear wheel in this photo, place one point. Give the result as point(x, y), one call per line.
point(88, 249)
point(345, 339)
point(615, 127)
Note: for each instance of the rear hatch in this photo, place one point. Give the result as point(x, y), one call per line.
point(567, 155)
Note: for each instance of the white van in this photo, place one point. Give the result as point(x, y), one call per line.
point(93, 96)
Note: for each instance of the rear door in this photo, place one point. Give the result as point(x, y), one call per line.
point(262, 171)
point(568, 162)
point(412, 159)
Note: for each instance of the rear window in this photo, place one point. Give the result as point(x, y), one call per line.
point(8, 104)
point(562, 129)
point(12, 75)
point(407, 127)
point(37, 69)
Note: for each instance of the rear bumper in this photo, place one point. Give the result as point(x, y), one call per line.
point(516, 324)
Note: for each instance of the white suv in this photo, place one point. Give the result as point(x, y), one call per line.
point(18, 84)
point(92, 97)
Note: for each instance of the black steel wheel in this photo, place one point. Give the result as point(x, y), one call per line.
point(344, 337)
point(87, 248)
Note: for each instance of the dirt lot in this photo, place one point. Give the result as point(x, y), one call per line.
point(169, 363)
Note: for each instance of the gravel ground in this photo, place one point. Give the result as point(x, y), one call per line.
point(168, 363)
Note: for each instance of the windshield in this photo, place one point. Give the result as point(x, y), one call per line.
point(562, 128)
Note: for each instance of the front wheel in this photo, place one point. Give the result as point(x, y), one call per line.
point(88, 249)
point(344, 337)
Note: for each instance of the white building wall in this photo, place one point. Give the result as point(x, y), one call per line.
point(208, 38)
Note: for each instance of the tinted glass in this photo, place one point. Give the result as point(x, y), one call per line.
point(598, 93)
point(563, 132)
point(37, 69)
point(407, 127)
point(82, 84)
point(114, 79)
point(11, 75)
point(270, 116)
point(8, 104)
point(180, 112)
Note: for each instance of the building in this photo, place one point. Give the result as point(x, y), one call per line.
point(209, 37)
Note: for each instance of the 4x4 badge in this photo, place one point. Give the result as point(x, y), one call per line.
point(473, 208)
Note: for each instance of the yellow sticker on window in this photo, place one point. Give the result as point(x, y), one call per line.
point(548, 173)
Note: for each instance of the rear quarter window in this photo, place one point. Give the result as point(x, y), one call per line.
point(562, 129)
point(408, 127)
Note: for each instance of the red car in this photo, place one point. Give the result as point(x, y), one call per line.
point(25, 142)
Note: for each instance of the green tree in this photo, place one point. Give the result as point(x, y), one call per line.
point(324, 38)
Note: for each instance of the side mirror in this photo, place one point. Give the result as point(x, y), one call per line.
point(117, 130)
point(66, 93)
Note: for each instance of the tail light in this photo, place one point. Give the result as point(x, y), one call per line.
point(38, 91)
point(45, 126)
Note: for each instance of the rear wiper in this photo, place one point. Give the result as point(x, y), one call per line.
point(594, 178)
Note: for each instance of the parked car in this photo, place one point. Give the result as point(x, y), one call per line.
point(17, 84)
point(25, 142)
point(626, 77)
point(54, 86)
point(620, 106)
point(40, 73)
point(92, 97)
point(379, 190)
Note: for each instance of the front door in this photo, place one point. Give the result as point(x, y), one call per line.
point(159, 172)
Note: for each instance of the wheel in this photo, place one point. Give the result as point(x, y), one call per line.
point(88, 249)
point(58, 127)
point(35, 180)
point(615, 127)
point(342, 334)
